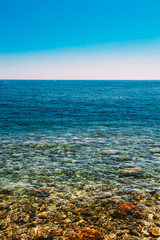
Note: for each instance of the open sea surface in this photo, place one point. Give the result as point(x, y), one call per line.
point(73, 139)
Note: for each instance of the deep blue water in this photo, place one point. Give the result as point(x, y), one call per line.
point(59, 131)
point(56, 105)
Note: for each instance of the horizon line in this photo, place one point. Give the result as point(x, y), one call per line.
point(78, 79)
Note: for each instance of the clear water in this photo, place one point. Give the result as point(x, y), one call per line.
point(54, 135)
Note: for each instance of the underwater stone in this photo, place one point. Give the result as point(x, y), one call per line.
point(43, 234)
point(120, 158)
point(155, 150)
point(155, 231)
point(129, 210)
point(111, 151)
point(130, 171)
point(157, 222)
point(68, 220)
point(145, 232)
point(85, 233)
point(103, 195)
point(39, 193)
point(5, 191)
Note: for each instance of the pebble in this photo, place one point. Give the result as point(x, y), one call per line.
point(135, 232)
point(103, 195)
point(43, 215)
point(5, 191)
point(111, 151)
point(135, 238)
point(112, 236)
point(150, 216)
point(145, 232)
point(120, 158)
point(157, 222)
point(68, 220)
point(155, 150)
point(155, 231)
point(130, 171)
point(129, 210)
point(85, 233)
point(2, 213)
point(39, 193)
point(147, 224)
point(35, 205)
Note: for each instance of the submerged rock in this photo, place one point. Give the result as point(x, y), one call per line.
point(130, 171)
point(155, 231)
point(111, 152)
point(129, 210)
point(42, 234)
point(84, 234)
point(155, 150)
point(5, 191)
point(103, 195)
point(120, 157)
point(43, 146)
point(157, 222)
point(39, 193)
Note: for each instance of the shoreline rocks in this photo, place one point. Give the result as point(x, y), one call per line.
point(131, 216)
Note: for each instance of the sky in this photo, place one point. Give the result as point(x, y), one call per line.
point(85, 39)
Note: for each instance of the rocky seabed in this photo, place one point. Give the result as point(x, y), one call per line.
point(42, 215)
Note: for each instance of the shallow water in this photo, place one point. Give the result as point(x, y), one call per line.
point(79, 160)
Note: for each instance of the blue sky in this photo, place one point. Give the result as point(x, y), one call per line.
point(34, 29)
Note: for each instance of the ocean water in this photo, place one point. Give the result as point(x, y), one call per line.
point(76, 136)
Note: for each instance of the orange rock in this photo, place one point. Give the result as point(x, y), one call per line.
point(87, 234)
point(128, 209)
point(155, 231)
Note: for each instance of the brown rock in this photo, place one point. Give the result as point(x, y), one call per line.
point(130, 171)
point(157, 222)
point(86, 234)
point(39, 193)
point(43, 234)
point(112, 236)
point(145, 232)
point(120, 158)
point(43, 215)
point(155, 231)
point(111, 152)
point(129, 210)
point(2, 213)
point(5, 191)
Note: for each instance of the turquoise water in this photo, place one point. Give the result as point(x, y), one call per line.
point(61, 135)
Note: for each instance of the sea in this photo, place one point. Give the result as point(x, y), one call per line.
point(79, 159)
point(67, 135)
